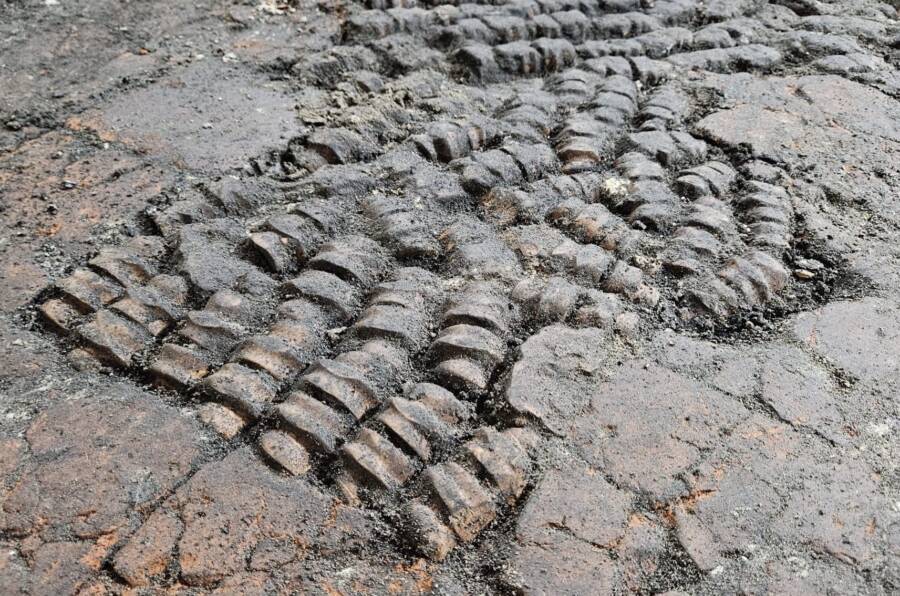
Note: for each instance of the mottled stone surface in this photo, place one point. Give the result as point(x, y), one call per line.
point(676, 372)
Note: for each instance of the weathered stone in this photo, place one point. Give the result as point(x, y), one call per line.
point(562, 565)
point(225, 421)
point(770, 483)
point(647, 425)
point(552, 380)
point(285, 451)
point(63, 568)
point(861, 337)
point(147, 552)
point(577, 501)
point(800, 391)
point(118, 439)
point(225, 522)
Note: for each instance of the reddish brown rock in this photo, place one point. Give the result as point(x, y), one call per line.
point(647, 425)
point(578, 534)
point(861, 337)
point(238, 516)
point(147, 552)
point(729, 369)
point(552, 379)
point(800, 391)
point(11, 452)
point(577, 501)
point(61, 568)
point(245, 584)
point(771, 484)
point(563, 565)
point(60, 189)
point(118, 440)
point(13, 568)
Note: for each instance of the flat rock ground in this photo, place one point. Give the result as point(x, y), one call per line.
point(553, 297)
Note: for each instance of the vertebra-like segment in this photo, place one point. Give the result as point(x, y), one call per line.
point(452, 23)
point(106, 278)
point(596, 224)
point(472, 340)
point(455, 506)
point(328, 293)
point(568, 202)
point(513, 163)
point(556, 299)
point(448, 140)
point(533, 114)
point(116, 335)
point(519, 58)
point(655, 44)
point(503, 27)
point(284, 242)
point(708, 222)
point(664, 109)
point(334, 395)
point(550, 251)
point(532, 203)
point(203, 341)
point(374, 24)
point(752, 56)
point(745, 283)
point(119, 304)
point(768, 213)
point(409, 432)
point(475, 252)
point(587, 136)
point(572, 86)
point(401, 225)
point(727, 34)
point(386, 4)
point(641, 193)
point(668, 148)
point(712, 178)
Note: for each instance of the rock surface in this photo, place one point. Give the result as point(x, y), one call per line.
point(395, 297)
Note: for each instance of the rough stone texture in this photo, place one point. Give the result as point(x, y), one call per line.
point(67, 188)
point(118, 441)
point(214, 528)
point(801, 392)
point(819, 125)
point(662, 297)
point(79, 176)
point(563, 563)
point(577, 501)
point(861, 337)
point(578, 533)
point(218, 539)
point(235, 116)
point(550, 379)
point(770, 484)
point(647, 426)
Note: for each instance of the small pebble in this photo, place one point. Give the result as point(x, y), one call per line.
point(803, 274)
point(335, 333)
point(810, 264)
